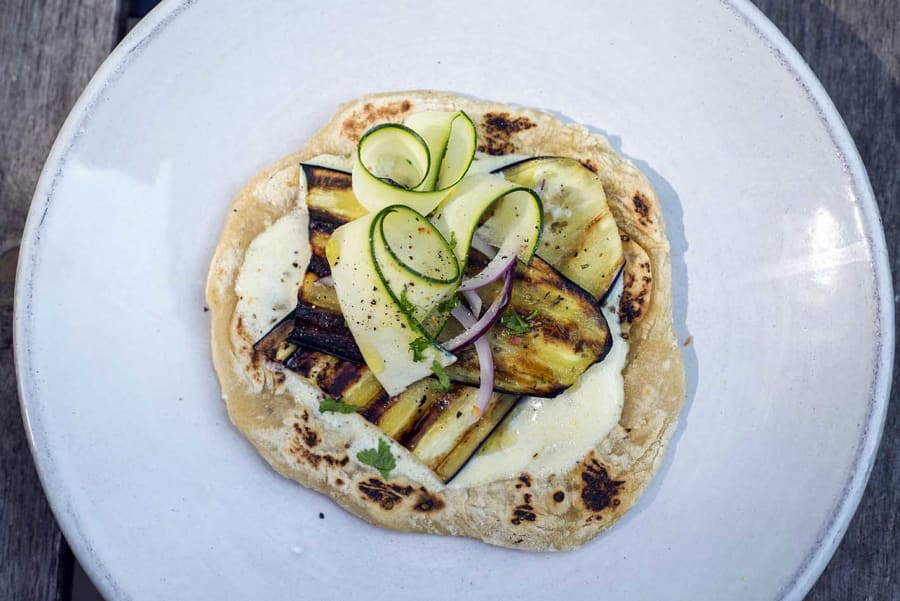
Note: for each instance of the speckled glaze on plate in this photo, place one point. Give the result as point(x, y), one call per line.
point(780, 277)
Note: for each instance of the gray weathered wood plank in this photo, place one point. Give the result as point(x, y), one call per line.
point(48, 51)
point(854, 48)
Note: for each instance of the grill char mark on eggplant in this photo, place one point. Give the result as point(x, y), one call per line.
point(324, 331)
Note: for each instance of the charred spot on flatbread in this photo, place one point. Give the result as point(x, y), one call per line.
point(631, 307)
point(591, 164)
point(307, 435)
point(598, 490)
point(559, 496)
point(642, 208)
point(637, 282)
point(304, 440)
point(497, 131)
point(524, 480)
point(256, 358)
point(383, 494)
point(358, 122)
point(524, 512)
point(427, 502)
point(241, 329)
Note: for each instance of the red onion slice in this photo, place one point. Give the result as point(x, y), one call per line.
point(493, 271)
point(485, 361)
point(474, 301)
point(479, 326)
point(481, 245)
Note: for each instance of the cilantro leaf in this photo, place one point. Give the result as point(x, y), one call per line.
point(452, 241)
point(511, 321)
point(405, 304)
point(330, 405)
point(418, 347)
point(448, 304)
point(443, 381)
point(381, 458)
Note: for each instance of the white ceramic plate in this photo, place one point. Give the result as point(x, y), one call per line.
point(780, 271)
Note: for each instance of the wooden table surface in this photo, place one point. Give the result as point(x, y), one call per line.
point(50, 48)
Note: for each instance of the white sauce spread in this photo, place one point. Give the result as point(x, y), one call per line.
point(541, 436)
point(272, 271)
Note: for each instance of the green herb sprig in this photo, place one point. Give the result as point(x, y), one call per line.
point(418, 347)
point(381, 458)
point(512, 321)
point(330, 405)
point(443, 380)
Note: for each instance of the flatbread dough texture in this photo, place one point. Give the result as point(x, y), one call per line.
point(558, 512)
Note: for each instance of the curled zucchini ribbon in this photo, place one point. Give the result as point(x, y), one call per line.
point(393, 267)
point(417, 164)
point(504, 215)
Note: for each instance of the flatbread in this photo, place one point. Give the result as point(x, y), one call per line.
point(558, 512)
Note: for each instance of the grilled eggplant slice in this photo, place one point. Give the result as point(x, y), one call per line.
point(472, 439)
point(581, 238)
point(331, 204)
point(351, 382)
point(329, 195)
point(396, 415)
point(568, 333)
point(444, 437)
point(318, 295)
point(437, 427)
point(274, 344)
point(323, 331)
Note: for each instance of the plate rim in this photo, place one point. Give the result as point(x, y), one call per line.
point(747, 14)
